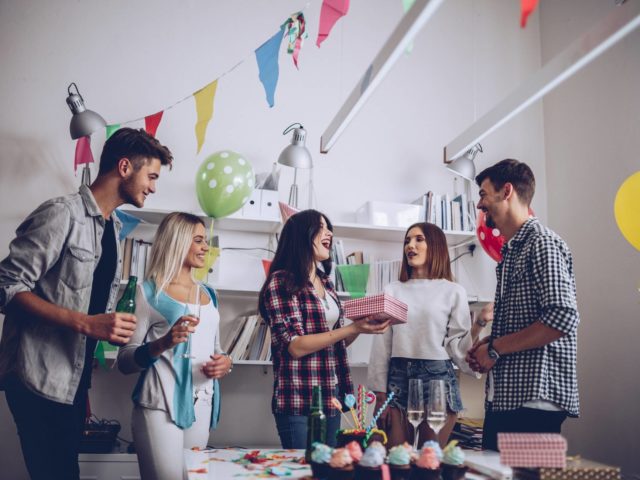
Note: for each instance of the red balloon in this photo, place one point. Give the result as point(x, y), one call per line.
point(490, 239)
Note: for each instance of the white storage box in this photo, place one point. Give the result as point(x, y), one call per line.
point(388, 214)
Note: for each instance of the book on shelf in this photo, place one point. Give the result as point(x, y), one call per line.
point(231, 335)
point(265, 352)
point(239, 351)
point(355, 258)
point(251, 352)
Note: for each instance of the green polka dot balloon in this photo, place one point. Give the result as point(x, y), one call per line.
point(224, 183)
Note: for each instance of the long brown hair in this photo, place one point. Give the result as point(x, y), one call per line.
point(437, 262)
point(294, 254)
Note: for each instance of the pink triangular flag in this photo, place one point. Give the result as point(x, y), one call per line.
point(331, 12)
point(526, 8)
point(151, 123)
point(286, 211)
point(83, 152)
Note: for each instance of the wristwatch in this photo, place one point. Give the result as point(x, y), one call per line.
point(229, 357)
point(493, 353)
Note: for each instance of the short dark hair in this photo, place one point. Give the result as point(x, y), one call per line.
point(514, 172)
point(295, 253)
point(136, 145)
point(437, 261)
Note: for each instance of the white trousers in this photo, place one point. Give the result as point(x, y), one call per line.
point(159, 442)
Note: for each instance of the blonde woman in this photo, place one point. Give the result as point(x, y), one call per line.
point(176, 398)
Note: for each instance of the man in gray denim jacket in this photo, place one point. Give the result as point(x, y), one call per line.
point(58, 288)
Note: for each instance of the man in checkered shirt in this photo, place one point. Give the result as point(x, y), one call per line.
point(530, 355)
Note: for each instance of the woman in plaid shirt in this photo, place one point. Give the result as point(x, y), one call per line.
point(308, 337)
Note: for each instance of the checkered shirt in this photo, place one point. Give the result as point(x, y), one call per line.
point(297, 315)
point(539, 284)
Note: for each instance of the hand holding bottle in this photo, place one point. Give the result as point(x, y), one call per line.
point(116, 328)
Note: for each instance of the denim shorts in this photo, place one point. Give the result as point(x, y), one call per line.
point(403, 369)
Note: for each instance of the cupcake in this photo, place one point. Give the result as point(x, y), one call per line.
point(436, 447)
point(399, 460)
point(427, 467)
point(355, 450)
point(453, 467)
point(341, 465)
point(320, 457)
point(371, 461)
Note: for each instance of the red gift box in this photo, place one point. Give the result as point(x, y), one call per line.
point(383, 306)
point(533, 450)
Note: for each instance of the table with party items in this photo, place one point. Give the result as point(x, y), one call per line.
point(362, 453)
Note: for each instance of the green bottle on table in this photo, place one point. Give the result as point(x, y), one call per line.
point(316, 422)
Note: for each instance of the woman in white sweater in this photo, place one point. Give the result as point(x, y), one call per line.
point(437, 335)
point(176, 398)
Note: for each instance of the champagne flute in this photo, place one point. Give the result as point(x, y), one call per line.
point(195, 313)
point(415, 407)
point(437, 405)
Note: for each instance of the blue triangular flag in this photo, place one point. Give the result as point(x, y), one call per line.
point(129, 222)
point(267, 56)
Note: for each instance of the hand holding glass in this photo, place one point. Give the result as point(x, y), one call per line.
point(437, 405)
point(195, 313)
point(415, 407)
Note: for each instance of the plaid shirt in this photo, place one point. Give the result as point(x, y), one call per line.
point(538, 284)
point(297, 315)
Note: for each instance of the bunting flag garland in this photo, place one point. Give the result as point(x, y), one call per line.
point(151, 122)
point(83, 152)
point(267, 58)
point(204, 108)
point(526, 8)
point(295, 30)
point(331, 12)
point(111, 129)
point(129, 222)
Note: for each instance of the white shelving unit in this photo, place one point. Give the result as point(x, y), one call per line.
point(349, 230)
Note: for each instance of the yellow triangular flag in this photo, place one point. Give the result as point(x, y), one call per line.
point(204, 109)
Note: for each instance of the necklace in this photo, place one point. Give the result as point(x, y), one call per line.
point(323, 299)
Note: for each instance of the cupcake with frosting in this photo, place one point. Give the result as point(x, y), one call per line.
point(341, 464)
point(453, 467)
point(355, 450)
point(399, 460)
point(436, 447)
point(371, 462)
point(427, 467)
point(320, 457)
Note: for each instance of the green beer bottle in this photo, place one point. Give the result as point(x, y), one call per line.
point(316, 423)
point(127, 302)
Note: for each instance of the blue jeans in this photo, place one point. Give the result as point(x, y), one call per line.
point(292, 430)
point(403, 369)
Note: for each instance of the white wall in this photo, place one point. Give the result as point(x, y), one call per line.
point(591, 132)
point(131, 59)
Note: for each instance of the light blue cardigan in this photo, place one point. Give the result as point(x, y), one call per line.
point(184, 414)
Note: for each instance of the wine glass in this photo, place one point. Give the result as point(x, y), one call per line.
point(415, 407)
point(437, 405)
point(195, 313)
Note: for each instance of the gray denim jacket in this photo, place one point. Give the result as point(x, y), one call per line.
point(54, 254)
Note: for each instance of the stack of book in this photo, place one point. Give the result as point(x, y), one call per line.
point(468, 432)
point(455, 214)
point(248, 338)
point(135, 256)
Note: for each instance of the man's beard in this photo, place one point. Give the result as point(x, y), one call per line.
point(126, 194)
point(489, 221)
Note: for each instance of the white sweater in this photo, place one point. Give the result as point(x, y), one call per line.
point(438, 328)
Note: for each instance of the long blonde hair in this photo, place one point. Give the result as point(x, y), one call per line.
point(170, 247)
